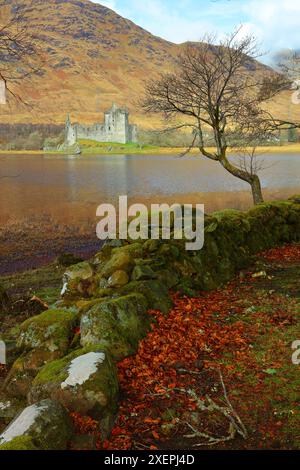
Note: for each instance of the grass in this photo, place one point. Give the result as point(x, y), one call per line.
point(45, 283)
point(90, 147)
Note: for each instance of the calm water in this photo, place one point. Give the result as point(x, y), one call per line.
point(70, 188)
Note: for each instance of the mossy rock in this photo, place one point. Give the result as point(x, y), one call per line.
point(151, 246)
point(134, 250)
point(142, 272)
point(10, 407)
point(157, 294)
point(117, 324)
point(20, 443)
point(168, 278)
point(120, 260)
point(46, 423)
point(85, 381)
point(25, 368)
point(51, 330)
point(83, 270)
point(118, 279)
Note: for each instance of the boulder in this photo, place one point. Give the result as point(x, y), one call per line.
point(42, 339)
point(118, 279)
point(142, 272)
point(151, 245)
point(117, 324)
point(24, 369)
point(9, 408)
point(50, 331)
point(76, 279)
point(155, 292)
point(85, 381)
point(81, 270)
point(120, 260)
point(45, 425)
point(19, 443)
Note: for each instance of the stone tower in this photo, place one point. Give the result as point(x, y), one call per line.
point(70, 133)
point(115, 128)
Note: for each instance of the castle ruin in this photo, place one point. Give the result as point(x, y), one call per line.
point(116, 128)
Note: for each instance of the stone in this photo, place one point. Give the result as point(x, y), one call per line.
point(25, 368)
point(155, 292)
point(12, 351)
point(118, 279)
point(85, 381)
point(74, 277)
point(51, 331)
point(134, 250)
point(82, 270)
point(151, 245)
point(142, 272)
point(168, 278)
point(119, 260)
point(47, 423)
point(19, 443)
point(115, 128)
point(9, 407)
point(117, 324)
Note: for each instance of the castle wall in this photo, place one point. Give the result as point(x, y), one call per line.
point(116, 128)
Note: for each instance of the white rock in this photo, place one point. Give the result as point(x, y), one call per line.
point(82, 367)
point(64, 289)
point(22, 423)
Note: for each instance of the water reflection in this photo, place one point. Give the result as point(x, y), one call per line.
point(70, 188)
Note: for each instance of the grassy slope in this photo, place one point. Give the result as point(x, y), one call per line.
point(94, 57)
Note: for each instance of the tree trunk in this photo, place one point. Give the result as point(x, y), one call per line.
point(256, 190)
point(253, 180)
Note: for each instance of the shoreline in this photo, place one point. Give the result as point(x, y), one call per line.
point(292, 148)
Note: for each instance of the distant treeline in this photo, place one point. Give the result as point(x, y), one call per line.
point(30, 136)
point(50, 136)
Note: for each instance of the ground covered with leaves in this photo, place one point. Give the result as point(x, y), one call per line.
point(217, 371)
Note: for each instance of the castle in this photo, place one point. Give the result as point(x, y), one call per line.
point(116, 128)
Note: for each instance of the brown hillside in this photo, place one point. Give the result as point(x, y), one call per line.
point(92, 57)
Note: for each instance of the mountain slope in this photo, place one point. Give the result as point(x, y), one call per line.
point(92, 57)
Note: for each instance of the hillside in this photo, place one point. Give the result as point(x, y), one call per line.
point(92, 57)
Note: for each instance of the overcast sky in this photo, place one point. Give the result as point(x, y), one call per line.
point(275, 22)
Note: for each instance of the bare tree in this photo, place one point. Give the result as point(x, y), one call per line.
point(218, 88)
point(287, 63)
point(20, 53)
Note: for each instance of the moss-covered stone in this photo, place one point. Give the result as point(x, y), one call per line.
point(116, 324)
point(84, 381)
point(46, 423)
point(20, 443)
point(151, 246)
point(142, 272)
point(23, 371)
point(118, 279)
point(157, 294)
point(120, 260)
point(51, 330)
